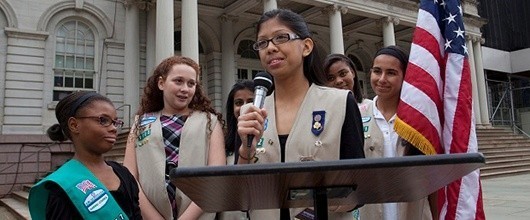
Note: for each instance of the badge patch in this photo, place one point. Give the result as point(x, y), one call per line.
point(85, 186)
point(147, 120)
point(319, 119)
point(96, 200)
point(366, 119)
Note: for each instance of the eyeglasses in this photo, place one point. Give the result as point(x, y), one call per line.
point(106, 121)
point(278, 39)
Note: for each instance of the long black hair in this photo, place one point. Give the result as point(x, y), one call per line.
point(313, 66)
point(232, 140)
point(333, 58)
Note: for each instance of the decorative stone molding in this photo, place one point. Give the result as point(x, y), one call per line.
point(26, 34)
point(79, 4)
point(387, 19)
point(145, 5)
point(228, 18)
point(407, 4)
point(334, 8)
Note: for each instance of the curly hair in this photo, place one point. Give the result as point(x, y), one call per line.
point(153, 99)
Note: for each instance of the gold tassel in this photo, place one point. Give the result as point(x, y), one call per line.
point(411, 135)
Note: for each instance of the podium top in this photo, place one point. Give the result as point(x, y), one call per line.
point(373, 180)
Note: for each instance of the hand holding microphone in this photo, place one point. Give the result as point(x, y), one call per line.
point(262, 85)
point(252, 118)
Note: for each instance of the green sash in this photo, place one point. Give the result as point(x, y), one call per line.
point(87, 193)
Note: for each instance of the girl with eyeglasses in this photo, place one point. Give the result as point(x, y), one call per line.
point(87, 186)
point(302, 120)
point(176, 126)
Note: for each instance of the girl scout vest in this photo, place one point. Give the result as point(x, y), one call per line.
point(373, 148)
point(315, 135)
point(91, 198)
point(151, 158)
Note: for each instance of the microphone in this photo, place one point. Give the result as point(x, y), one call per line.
point(262, 85)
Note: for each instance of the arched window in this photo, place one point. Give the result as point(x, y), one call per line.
point(244, 49)
point(356, 62)
point(74, 67)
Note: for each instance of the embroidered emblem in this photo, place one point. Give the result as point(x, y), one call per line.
point(147, 120)
point(306, 158)
point(366, 119)
point(96, 200)
point(85, 186)
point(144, 134)
point(260, 142)
point(319, 119)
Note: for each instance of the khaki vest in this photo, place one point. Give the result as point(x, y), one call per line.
point(151, 159)
point(373, 148)
point(301, 143)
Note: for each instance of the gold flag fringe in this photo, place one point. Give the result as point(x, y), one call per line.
point(413, 136)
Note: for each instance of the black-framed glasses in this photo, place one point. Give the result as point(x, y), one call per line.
point(105, 121)
point(278, 39)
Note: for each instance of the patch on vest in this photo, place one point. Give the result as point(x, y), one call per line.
point(147, 120)
point(96, 200)
point(366, 119)
point(85, 186)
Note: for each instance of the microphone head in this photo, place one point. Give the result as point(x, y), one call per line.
point(263, 79)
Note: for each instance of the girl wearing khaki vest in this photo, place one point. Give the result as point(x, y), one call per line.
point(305, 121)
point(176, 126)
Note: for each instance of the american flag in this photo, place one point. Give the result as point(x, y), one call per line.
point(435, 111)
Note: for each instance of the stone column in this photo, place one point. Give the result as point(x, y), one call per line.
point(473, 72)
point(150, 47)
point(269, 5)
point(481, 82)
point(165, 29)
point(190, 29)
point(131, 78)
point(388, 23)
point(335, 28)
point(228, 56)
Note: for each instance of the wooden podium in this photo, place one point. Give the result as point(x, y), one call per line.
point(321, 184)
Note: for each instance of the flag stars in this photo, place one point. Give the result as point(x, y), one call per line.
point(465, 48)
point(448, 43)
point(460, 10)
point(459, 32)
point(450, 18)
point(443, 3)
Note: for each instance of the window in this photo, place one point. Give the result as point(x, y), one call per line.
point(245, 50)
point(74, 59)
point(246, 74)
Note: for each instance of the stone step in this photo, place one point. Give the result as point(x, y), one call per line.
point(5, 214)
point(502, 173)
point(498, 138)
point(17, 208)
point(503, 143)
point(21, 195)
point(507, 156)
